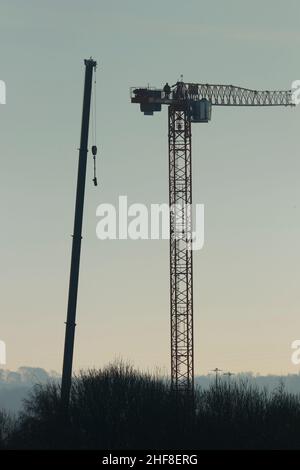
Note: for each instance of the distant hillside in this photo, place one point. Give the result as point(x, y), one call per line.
point(15, 385)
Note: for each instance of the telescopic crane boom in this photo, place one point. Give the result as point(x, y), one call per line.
point(90, 65)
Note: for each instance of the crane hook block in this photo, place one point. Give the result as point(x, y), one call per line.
point(94, 150)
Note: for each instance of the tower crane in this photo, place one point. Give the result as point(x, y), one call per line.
point(189, 103)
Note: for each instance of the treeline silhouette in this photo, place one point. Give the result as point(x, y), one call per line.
point(119, 407)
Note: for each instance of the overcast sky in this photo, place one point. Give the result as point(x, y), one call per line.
point(246, 170)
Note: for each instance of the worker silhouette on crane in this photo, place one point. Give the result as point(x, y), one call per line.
point(167, 90)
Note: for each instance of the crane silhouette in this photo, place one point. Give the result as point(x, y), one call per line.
point(189, 103)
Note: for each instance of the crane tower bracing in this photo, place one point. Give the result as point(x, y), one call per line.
point(188, 103)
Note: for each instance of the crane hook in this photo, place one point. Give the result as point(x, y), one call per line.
point(94, 152)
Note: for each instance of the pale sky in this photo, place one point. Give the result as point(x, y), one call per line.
point(246, 169)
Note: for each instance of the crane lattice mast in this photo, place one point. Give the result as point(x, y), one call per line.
point(189, 103)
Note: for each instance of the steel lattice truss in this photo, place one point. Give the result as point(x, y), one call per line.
point(219, 95)
point(229, 95)
point(181, 261)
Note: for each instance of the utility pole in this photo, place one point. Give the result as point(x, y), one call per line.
point(190, 103)
point(229, 375)
point(217, 371)
point(90, 65)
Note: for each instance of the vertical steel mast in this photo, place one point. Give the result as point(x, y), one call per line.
point(90, 64)
point(181, 259)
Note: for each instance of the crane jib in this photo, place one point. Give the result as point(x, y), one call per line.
point(151, 99)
